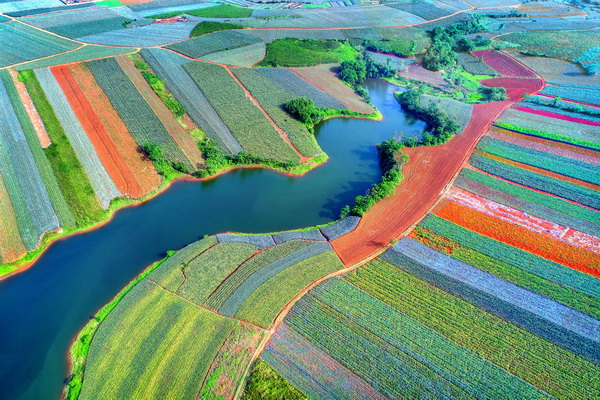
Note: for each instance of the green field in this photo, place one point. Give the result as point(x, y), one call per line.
point(264, 303)
point(305, 52)
point(150, 336)
point(272, 97)
point(220, 11)
point(205, 27)
point(71, 177)
point(547, 366)
point(246, 121)
point(264, 383)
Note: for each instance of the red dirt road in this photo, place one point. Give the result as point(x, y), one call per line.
point(429, 171)
point(142, 168)
point(117, 168)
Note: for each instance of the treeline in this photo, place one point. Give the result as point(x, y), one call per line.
point(357, 71)
point(445, 40)
point(391, 163)
point(561, 105)
point(162, 165)
point(215, 161)
point(442, 127)
point(401, 48)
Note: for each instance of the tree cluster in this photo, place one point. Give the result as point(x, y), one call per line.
point(304, 110)
point(444, 42)
point(162, 165)
point(493, 93)
point(357, 71)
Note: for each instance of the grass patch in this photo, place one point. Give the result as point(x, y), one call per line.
point(305, 52)
point(265, 383)
point(221, 11)
point(205, 27)
point(67, 168)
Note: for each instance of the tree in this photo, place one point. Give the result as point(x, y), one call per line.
point(304, 110)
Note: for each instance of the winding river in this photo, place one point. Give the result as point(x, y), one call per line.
point(43, 308)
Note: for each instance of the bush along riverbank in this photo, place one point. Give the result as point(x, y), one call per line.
point(391, 160)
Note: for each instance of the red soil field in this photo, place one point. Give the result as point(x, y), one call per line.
point(540, 171)
point(517, 236)
point(588, 155)
point(108, 153)
point(504, 64)
point(180, 136)
point(427, 173)
point(34, 117)
point(141, 167)
point(326, 80)
point(418, 73)
point(558, 116)
point(11, 245)
point(527, 221)
point(515, 87)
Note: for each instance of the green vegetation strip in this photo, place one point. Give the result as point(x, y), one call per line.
point(545, 365)
point(71, 177)
point(304, 52)
point(512, 273)
point(272, 97)
point(205, 27)
point(81, 345)
point(220, 11)
point(265, 383)
point(533, 202)
point(549, 135)
point(59, 204)
point(263, 304)
point(246, 121)
point(541, 159)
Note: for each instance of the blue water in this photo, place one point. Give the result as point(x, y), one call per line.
point(43, 308)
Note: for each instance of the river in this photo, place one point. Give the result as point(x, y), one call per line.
point(43, 308)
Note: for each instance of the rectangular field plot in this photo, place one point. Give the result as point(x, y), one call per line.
point(272, 97)
point(81, 23)
point(157, 332)
point(22, 43)
point(214, 42)
point(169, 66)
point(32, 207)
point(523, 354)
point(379, 360)
point(141, 121)
point(103, 185)
point(142, 36)
point(252, 129)
point(85, 53)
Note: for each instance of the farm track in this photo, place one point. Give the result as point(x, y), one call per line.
point(427, 175)
point(142, 169)
point(175, 130)
point(107, 151)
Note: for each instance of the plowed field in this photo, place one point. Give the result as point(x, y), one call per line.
point(175, 130)
point(142, 168)
point(112, 160)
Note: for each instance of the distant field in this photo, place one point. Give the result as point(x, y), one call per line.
point(305, 52)
point(220, 11)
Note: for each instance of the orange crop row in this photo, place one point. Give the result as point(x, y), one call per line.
point(517, 236)
point(142, 169)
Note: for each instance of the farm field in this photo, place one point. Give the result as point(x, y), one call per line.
point(467, 269)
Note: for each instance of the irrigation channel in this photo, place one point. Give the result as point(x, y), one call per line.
point(43, 308)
